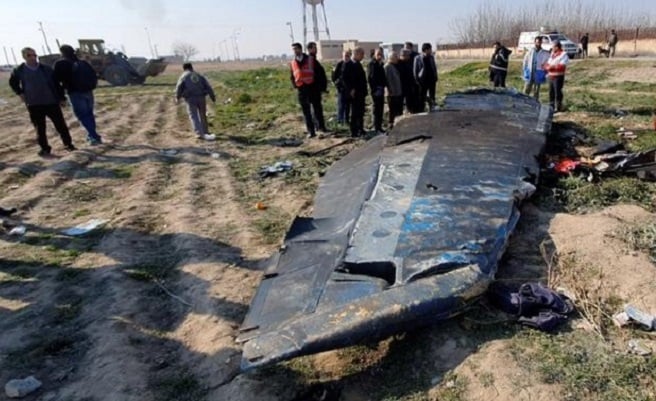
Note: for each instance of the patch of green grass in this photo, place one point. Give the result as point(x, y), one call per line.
point(453, 388)
point(85, 193)
point(272, 224)
point(125, 171)
point(641, 237)
point(578, 195)
point(585, 366)
point(159, 268)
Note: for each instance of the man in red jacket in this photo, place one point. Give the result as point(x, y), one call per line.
point(556, 66)
point(302, 75)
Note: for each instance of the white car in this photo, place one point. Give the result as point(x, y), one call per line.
point(526, 40)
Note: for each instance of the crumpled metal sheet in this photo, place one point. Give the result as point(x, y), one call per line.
point(406, 230)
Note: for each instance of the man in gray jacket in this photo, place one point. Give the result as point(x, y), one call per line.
point(394, 88)
point(36, 85)
point(193, 87)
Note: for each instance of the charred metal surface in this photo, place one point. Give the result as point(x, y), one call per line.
point(406, 230)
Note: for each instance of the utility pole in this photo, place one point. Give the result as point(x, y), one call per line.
point(291, 30)
point(45, 40)
point(156, 53)
point(6, 57)
point(13, 55)
point(235, 44)
point(150, 44)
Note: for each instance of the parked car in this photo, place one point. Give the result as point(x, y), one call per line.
point(526, 40)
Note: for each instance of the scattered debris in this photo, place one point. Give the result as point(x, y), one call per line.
point(646, 320)
point(84, 228)
point(287, 142)
point(18, 231)
point(639, 348)
point(7, 212)
point(169, 152)
point(534, 305)
point(19, 388)
point(251, 125)
point(260, 206)
point(278, 167)
point(621, 319)
point(15, 186)
point(216, 155)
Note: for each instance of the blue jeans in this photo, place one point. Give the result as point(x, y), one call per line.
point(82, 103)
point(197, 110)
point(343, 107)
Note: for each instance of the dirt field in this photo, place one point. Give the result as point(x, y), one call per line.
point(147, 306)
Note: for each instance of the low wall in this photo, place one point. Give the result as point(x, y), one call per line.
point(643, 47)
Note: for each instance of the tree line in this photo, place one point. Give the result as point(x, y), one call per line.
point(504, 21)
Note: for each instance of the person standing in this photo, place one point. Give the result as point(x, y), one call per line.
point(425, 74)
point(377, 84)
point(394, 88)
point(412, 103)
point(79, 79)
point(612, 43)
point(302, 77)
point(343, 101)
point(585, 40)
point(355, 83)
point(499, 64)
point(36, 85)
point(533, 70)
point(319, 86)
point(408, 84)
point(193, 88)
point(556, 66)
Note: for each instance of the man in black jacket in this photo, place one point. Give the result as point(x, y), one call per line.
point(319, 86)
point(377, 84)
point(355, 84)
point(585, 39)
point(79, 79)
point(343, 101)
point(499, 65)
point(36, 85)
point(425, 74)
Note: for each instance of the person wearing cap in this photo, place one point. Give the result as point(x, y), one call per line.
point(556, 66)
point(79, 79)
point(193, 88)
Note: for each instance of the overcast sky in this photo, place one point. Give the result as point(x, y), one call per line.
point(260, 25)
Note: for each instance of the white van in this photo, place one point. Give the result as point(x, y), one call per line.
point(527, 39)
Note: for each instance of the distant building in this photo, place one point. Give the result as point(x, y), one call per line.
point(330, 49)
point(390, 47)
point(367, 46)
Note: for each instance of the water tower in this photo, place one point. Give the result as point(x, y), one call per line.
point(312, 4)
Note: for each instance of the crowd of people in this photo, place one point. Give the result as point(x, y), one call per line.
point(408, 79)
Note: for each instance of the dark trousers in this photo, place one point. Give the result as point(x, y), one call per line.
point(53, 112)
point(584, 52)
point(500, 78)
point(556, 92)
point(343, 107)
point(357, 115)
point(395, 106)
point(411, 99)
point(317, 108)
point(427, 94)
point(304, 96)
point(378, 107)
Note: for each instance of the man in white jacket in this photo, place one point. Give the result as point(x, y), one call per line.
point(533, 70)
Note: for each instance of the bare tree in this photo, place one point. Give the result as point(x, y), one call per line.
point(184, 50)
point(502, 20)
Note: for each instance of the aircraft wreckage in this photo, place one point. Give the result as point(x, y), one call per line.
point(407, 230)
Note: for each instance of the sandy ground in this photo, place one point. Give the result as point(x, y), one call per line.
point(72, 313)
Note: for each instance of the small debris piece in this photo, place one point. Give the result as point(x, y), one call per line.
point(639, 348)
point(19, 388)
point(216, 155)
point(260, 206)
point(84, 228)
point(169, 152)
point(18, 231)
point(621, 319)
point(639, 316)
point(278, 167)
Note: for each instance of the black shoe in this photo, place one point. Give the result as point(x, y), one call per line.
point(44, 152)
point(311, 135)
point(71, 148)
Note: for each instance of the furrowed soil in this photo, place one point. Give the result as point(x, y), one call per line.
point(147, 305)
